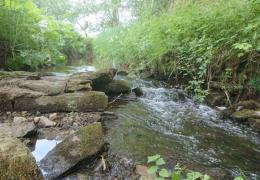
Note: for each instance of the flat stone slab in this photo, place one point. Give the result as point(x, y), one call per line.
point(16, 129)
point(82, 145)
point(48, 87)
point(81, 102)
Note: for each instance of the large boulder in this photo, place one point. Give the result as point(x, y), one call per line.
point(77, 84)
point(17, 99)
point(84, 145)
point(16, 129)
point(48, 87)
point(98, 78)
point(117, 87)
point(17, 161)
point(82, 102)
point(8, 96)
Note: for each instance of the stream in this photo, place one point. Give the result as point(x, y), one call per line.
point(168, 122)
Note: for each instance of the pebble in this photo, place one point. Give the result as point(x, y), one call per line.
point(18, 120)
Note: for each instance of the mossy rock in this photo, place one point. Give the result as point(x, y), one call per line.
point(246, 114)
point(83, 102)
point(98, 78)
point(117, 87)
point(82, 145)
point(16, 74)
point(17, 161)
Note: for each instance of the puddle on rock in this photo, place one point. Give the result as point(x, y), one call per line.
point(42, 147)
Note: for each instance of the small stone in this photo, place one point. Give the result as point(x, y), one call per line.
point(45, 122)
point(75, 124)
point(18, 120)
point(53, 116)
point(24, 113)
point(38, 113)
point(36, 120)
point(8, 113)
point(143, 172)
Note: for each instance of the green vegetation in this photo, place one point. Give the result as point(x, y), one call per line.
point(195, 44)
point(31, 40)
point(179, 173)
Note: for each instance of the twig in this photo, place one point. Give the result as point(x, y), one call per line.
point(227, 95)
point(114, 100)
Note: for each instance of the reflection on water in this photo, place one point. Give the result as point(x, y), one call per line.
point(42, 147)
point(68, 70)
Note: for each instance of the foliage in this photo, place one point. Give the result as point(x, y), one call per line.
point(34, 39)
point(194, 44)
point(155, 168)
point(178, 173)
point(255, 83)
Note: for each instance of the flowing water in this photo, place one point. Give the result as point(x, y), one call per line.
point(166, 121)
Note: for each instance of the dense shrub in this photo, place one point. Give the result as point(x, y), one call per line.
point(33, 40)
point(199, 42)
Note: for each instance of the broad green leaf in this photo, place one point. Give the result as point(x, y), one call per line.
point(239, 178)
point(153, 169)
point(206, 177)
point(176, 175)
point(159, 178)
point(164, 173)
point(193, 175)
point(153, 158)
point(160, 161)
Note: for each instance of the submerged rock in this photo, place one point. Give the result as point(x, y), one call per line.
point(16, 129)
point(117, 87)
point(17, 161)
point(85, 144)
point(138, 91)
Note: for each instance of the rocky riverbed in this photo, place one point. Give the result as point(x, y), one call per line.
point(68, 109)
point(90, 141)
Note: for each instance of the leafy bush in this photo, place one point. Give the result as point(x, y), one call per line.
point(34, 39)
point(193, 45)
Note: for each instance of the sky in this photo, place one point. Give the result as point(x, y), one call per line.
point(93, 20)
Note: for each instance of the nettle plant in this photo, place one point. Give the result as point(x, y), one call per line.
point(155, 167)
point(156, 163)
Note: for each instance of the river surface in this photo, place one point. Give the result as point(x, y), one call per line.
point(166, 121)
